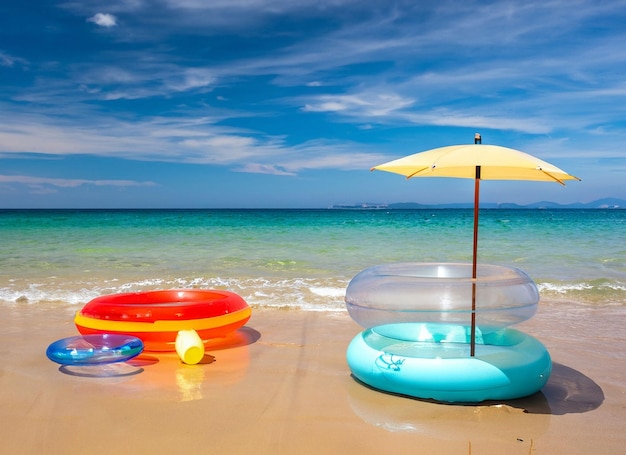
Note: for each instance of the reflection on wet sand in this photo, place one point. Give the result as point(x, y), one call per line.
point(163, 376)
point(453, 422)
point(107, 370)
point(225, 363)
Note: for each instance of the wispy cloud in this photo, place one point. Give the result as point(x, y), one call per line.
point(68, 183)
point(10, 60)
point(192, 140)
point(258, 168)
point(367, 104)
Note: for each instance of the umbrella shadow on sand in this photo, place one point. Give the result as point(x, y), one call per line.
point(568, 391)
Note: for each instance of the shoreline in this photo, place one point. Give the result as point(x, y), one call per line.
point(281, 385)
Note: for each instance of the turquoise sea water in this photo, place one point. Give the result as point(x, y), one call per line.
point(297, 258)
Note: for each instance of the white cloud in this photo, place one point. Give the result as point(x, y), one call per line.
point(103, 20)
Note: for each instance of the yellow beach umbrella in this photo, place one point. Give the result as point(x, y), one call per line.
point(479, 162)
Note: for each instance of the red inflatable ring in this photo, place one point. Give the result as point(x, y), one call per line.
point(156, 316)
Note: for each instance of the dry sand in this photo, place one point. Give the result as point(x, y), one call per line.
point(281, 385)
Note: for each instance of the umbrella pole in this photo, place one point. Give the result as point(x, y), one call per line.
point(474, 262)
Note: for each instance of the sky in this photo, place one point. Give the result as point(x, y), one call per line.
point(288, 104)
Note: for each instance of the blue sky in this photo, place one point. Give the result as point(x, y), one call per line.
point(281, 103)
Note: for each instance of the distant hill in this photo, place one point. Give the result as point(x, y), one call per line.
point(605, 203)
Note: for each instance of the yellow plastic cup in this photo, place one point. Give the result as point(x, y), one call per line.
point(189, 347)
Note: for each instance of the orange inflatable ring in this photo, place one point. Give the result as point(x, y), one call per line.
point(156, 316)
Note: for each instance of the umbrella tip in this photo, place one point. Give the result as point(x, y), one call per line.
point(478, 139)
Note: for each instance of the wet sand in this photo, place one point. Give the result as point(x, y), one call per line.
point(281, 385)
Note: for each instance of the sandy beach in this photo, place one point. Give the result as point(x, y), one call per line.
point(281, 385)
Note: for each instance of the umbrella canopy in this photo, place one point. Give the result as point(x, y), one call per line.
point(478, 162)
point(460, 161)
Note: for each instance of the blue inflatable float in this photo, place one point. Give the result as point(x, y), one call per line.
point(417, 337)
point(94, 349)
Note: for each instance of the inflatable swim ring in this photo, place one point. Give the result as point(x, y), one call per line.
point(156, 316)
point(508, 364)
point(94, 349)
point(417, 341)
point(441, 293)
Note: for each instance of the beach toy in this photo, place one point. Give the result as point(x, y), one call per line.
point(417, 341)
point(94, 349)
point(189, 347)
point(156, 317)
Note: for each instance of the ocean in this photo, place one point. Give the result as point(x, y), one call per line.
point(298, 258)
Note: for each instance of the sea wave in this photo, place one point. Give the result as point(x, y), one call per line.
point(598, 291)
point(310, 294)
point(296, 293)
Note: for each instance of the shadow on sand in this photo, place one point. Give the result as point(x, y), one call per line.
point(568, 391)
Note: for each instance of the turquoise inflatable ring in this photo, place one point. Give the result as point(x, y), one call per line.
point(508, 364)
